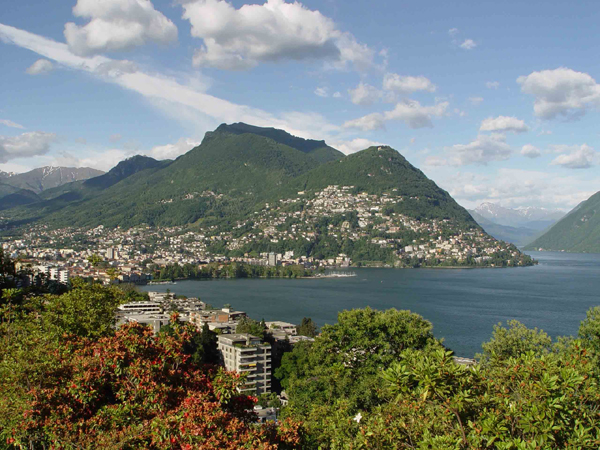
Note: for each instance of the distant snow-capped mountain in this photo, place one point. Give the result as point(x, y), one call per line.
point(38, 180)
point(528, 217)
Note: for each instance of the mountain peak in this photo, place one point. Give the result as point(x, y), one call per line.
point(319, 150)
point(124, 169)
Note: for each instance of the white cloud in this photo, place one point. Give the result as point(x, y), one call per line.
point(407, 84)
point(415, 115)
point(370, 122)
point(436, 161)
point(172, 151)
point(476, 101)
point(115, 137)
point(355, 145)
point(410, 112)
point(39, 67)
point(337, 95)
point(483, 150)
point(104, 159)
point(492, 85)
point(531, 151)
point(580, 157)
point(468, 44)
point(117, 25)
point(10, 123)
point(26, 145)
point(322, 92)
point(114, 69)
point(364, 94)
point(453, 31)
point(238, 39)
point(516, 188)
point(560, 91)
point(503, 124)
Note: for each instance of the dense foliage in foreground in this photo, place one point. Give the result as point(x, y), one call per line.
point(373, 380)
point(69, 380)
point(381, 380)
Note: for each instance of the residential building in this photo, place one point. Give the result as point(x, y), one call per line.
point(247, 354)
point(286, 327)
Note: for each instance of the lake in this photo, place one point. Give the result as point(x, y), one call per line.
point(462, 304)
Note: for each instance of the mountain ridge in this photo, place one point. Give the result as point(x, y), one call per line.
point(48, 177)
point(243, 170)
point(578, 231)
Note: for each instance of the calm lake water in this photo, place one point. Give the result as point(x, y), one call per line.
point(462, 304)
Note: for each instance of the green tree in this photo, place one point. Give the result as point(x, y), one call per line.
point(307, 328)
point(589, 330)
point(250, 326)
point(337, 376)
point(95, 260)
point(513, 341)
point(85, 311)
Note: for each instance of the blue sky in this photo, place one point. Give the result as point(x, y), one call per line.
point(493, 102)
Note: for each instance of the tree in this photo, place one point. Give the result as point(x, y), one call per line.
point(250, 326)
point(337, 375)
point(95, 260)
point(513, 341)
point(85, 311)
point(307, 328)
point(112, 273)
point(589, 330)
point(134, 390)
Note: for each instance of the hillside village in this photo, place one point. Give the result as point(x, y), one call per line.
point(333, 227)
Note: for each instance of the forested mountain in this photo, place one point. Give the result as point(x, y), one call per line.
point(236, 169)
point(43, 178)
point(578, 231)
point(318, 150)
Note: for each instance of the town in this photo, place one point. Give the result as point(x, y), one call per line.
point(335, 227)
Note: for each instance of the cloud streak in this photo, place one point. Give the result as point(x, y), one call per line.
point(167, 92)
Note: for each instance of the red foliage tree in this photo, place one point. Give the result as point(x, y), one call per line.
point(135, 390)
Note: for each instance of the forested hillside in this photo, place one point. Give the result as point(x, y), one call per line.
point(236, 169)
point(578, 231)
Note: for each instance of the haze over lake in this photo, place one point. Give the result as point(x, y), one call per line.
point(462, 304)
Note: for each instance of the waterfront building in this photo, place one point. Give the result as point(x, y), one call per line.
point(272, 259)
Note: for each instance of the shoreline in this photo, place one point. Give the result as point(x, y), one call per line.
point(317, 277)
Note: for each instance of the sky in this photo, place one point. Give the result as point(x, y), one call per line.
point(494, 102)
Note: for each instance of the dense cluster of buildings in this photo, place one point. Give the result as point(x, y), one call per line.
point(127, 254)
point(240, 352)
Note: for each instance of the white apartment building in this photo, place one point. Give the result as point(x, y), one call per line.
point(286, 327)
point(63, 276)
point(141, 307)
point(244, 353)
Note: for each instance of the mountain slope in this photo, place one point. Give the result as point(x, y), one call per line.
point(379, 169)
point(578, 231)
point(225, 176)
point(43, 178)
point(233, 174)
point(20, 198)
